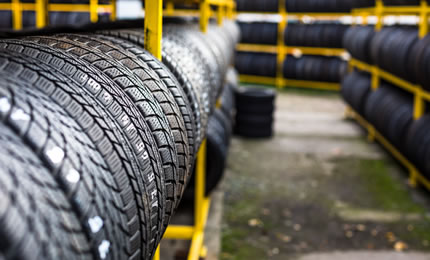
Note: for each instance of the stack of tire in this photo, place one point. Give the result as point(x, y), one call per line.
point(324, 35)
point(54, 18)
point(255, 109)
point(256, 64)
point(311, 68)
point(219, 134)
point(326, 6)
point(99, 139)
point(389, 108)
point(259, 33)
point(257, 5)
point(315, 68)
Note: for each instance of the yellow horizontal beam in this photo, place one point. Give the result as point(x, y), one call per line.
point(257, 79)
point(179, 232)
point(311, 84)
point(59, 7)
point(290, 82)
point(390, 148)
point(393, 10)
point(316, 51)
point(290, 49)
point(401, 83)
point(257, 48)
point(360, 65)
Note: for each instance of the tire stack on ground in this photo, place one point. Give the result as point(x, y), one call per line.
point(390, 109)
point(99, 138)
point(54, 18)
point(255, 109)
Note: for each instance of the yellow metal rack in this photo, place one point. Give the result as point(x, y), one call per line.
point(224, 8)
point(415, 177)
point(43, 7)
point(421, 96)
point(380, 11)
point(153, 33)
point(281, 50)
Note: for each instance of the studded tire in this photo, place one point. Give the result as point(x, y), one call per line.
point(87, 96)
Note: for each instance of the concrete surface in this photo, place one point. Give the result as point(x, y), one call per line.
point(318, 190)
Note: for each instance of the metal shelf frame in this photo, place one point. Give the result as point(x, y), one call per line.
point(224, 8)
point(421, 96)
point(153, 29)
point(153, 35)
point(283, 82)
point(281, 50)
point(43, 7)
point(415, 176)
point(381, 11)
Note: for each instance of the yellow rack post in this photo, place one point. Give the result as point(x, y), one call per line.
point(43, 7)
point(153, 35)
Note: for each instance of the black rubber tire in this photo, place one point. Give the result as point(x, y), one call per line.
point(160, 92)
point(171, 58)
point(60, 144)
point(254, 131)
point(254, 101)
point(88, 106)
point(192, 37)
point(35, 213)
point(142, 97)
point(355, 89)
point(169, 80)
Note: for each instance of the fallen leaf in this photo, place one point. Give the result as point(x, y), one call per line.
point(361, 227)
point(390, 236)
point(297, 227)
point(349, 234)
point(374, 232)
point(284, 238)
point(266, 211)
point(400, 246)
point(275, 251)
point(411, 227)
point(254, 222)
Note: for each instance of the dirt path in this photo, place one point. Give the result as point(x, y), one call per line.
point(317, 188)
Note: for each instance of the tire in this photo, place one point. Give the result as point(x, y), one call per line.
point(255, 101)
point(170, 81)
point(160, 93)
point(143, 100)
point(252, 131)
point(35, 212)
point(192, 37)
point(171, 54)
point(59, 143)
point(102, 111)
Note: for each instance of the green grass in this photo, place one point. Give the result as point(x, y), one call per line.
point(389, 193)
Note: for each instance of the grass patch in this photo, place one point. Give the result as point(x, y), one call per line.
point(235, 245)
point(387, 192)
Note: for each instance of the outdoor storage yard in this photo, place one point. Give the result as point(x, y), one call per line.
point(317, 188)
